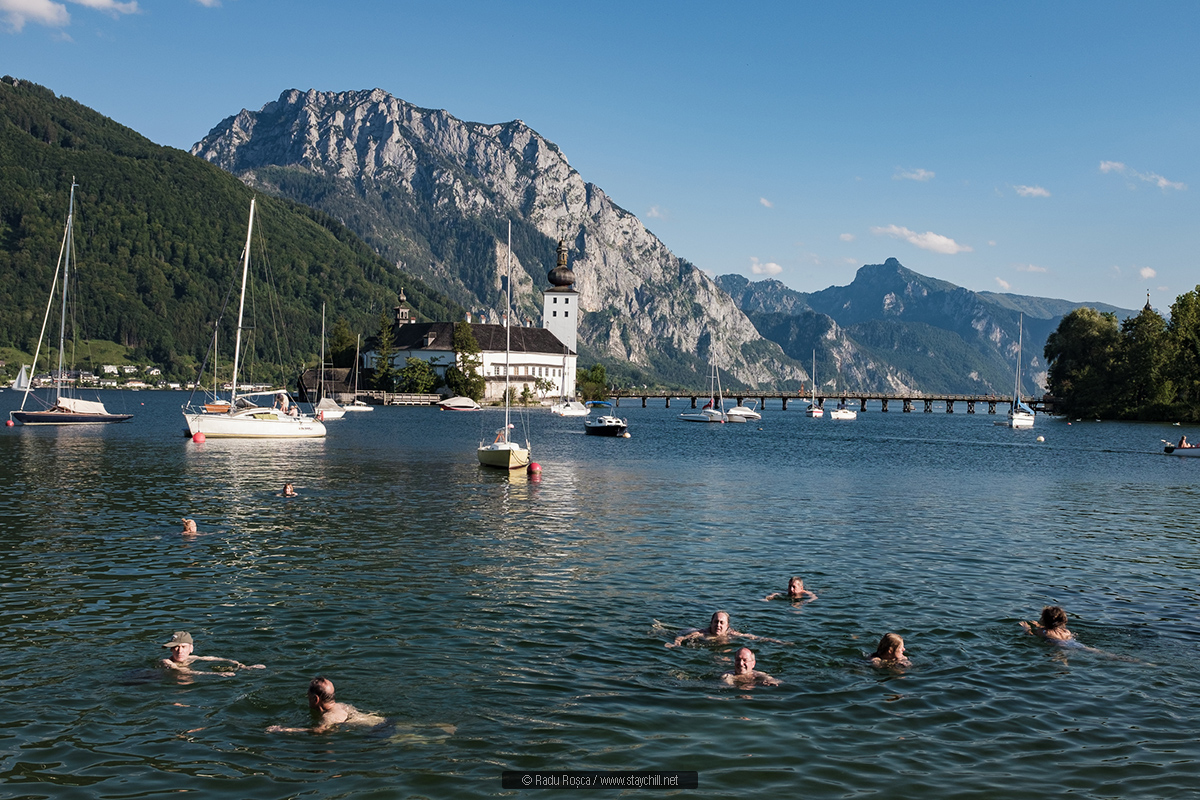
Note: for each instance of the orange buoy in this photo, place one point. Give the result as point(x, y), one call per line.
point(199, 437)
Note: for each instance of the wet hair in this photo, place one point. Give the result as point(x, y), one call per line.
point(1053, 617)
point(322, 687)
point(887, 647)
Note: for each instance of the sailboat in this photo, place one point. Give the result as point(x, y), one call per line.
point(326, 409)
point(565, 407)
point(1020, 416)
point(356, 404)
point(22, 382)
point(712, 411)
point(242, 418)
point(65, 410)
point(813, 409)
point(502, 451)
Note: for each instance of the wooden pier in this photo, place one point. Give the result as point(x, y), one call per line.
point(906, 402)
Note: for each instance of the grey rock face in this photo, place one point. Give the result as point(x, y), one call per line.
point(387, 168)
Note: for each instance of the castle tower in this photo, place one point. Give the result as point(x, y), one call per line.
point(560, 303)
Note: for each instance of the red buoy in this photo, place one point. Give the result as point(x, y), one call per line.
point(8, 423)
point(199, 437)
point(535, 468)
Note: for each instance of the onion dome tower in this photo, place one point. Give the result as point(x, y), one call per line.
point(560, 303)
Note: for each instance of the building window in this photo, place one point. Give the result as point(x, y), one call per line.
point(554, 313)
point(565, 314)
point(556, 301)
point(567, 300)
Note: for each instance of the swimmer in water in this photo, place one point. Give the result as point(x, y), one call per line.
point(1052, 626)
point(330, 712)
point(718, 630)
point(182, 658)
point(189, 527)
point(890, 652)
point(288, 490)
point(744, 673)
point(795, 591)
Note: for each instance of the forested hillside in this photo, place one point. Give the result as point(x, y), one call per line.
point(159, 235)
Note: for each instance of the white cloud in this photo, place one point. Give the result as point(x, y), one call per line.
point(769, 268)
point(1148, 177)
point(1003, 284)
point(1031, 191)
point(991, 242)
point(766, 202)
point(847, 237)
point(921, 175)
point(16, 13)
point(1030, 268)
point(656, 213)
point(209, 3)
point(42, 12)
point(1147, 273)
point(109, 5)
point(929, 240)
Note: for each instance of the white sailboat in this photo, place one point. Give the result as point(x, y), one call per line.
point(813, 409)
point(244, 419)
point(1020, 416)
point(65, 410)
point(22, 382)
point(712, 411)
point(326, 409)
point(502, 451)
point(356, 404)
point(565, 407)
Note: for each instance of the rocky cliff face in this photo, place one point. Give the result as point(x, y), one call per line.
point(434, 193)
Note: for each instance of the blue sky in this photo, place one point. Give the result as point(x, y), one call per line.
point(1038, 148)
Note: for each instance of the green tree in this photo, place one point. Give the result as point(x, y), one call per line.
point(1141, 371)
point(418, 376)
point(592, 382)
point(1183, 331)
point(542, 386)
point(1082, 353)
point(341, 344)
point(463, 377)
point(526, 394)
point(385, 373)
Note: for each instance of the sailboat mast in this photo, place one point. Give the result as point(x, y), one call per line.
point(321, 379)
point(507, 329)
point(237, 347)
point(62, 330)
point(357, 338)
point(1020, 348)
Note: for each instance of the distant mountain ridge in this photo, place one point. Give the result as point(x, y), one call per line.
point(892, 328)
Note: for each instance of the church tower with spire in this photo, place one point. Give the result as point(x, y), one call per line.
point(560, 303)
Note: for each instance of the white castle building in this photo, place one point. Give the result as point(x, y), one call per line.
point(547, 352)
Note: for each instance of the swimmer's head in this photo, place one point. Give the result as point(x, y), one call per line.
point(719, 625)
point(891, 647)
point(744, 661)
point(1054, 617)
point(320, 693)
point(795, 586)
point(181, 645)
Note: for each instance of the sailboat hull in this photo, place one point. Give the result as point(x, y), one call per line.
point(254, 423)
point(57, 417)
point(505, 455)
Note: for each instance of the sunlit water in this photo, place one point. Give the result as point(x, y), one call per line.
point(501, 623)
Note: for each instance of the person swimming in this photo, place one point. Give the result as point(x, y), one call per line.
point(744, 673)
point(718, 630)
point(795, 591)
point(890, 652)
point(1052, 626)
point(330, 712)
point(182, 657)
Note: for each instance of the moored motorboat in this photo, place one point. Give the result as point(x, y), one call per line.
point(743, 412)
point(458, 404)
point(843, 412)
point(605, 425)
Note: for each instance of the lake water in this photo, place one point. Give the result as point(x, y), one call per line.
point(501, 623)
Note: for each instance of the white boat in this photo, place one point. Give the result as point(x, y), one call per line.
point(843, 412)
point(569, 408)
point(502, 451)
point(605, 425)
point(22, 382)
point(1020, 416)
point(813, 409)
point(242, 418)
point(711, 412)
point(327, 409)
point(743, 412)
point(458, 404)
point(356, 404)
point(65, 410)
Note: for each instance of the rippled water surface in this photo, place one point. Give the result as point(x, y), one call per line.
point(500, 623)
